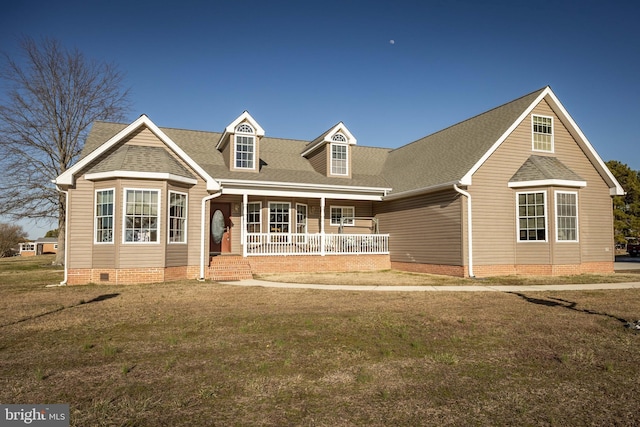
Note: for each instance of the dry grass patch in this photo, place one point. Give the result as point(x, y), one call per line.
point(402, 278)
point(190, 353)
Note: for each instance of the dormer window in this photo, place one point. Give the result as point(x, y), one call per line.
point(245, 146)
point(339, 155)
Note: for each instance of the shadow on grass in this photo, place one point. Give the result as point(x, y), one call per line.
point(59, 309)
point(569, 305)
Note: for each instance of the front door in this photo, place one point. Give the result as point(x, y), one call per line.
point(220, 226)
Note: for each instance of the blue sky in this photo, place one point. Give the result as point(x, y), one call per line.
point(392, 71)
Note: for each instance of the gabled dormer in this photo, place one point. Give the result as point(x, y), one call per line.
point(330, 153)
point(240, 144)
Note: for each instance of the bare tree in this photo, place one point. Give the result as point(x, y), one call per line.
point(10, 236)
point(52, 95)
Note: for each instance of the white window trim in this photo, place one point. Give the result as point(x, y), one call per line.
point(186, 217)
point(259, 213)
point(251, 135)
point(341, 214)
point(306, 218)
point(269, 219)
point(553, 134)
point(124, 216)
point(555, 197)
point(346, 160)
point(546, 218)
point(95, 217)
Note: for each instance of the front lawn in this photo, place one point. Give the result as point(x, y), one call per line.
point(190, 353)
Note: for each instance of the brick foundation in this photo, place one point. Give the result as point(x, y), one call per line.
point(507, 269)
point(447, 270)
point(217, 270)
point(300, 264)
point(229, 268)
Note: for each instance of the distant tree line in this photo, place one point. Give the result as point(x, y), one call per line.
point(626, 209)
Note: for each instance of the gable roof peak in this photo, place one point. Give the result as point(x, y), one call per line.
point(327, 137)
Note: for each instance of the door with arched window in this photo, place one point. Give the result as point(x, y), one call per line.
point(220, 229)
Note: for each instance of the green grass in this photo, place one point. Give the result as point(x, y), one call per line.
point(190, 353)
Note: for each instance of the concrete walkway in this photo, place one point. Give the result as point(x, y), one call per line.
point(473, 288)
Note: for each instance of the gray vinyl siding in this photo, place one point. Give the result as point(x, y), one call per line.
point(424, 229)
point(494, 204)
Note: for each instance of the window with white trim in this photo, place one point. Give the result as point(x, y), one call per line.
point(542, 133)
point(301, 218)
point(177, 217)
point(532, 218)
point(339, 159)
point(337, 212)
point(103, 222)
point(254, 217)
point(27, 247)
point(141, 216)
point(279, 221)
point(279, 217)
point(245, 147)
point(566, 216)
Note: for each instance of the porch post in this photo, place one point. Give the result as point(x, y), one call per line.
point(322, 252)
point(243, 224)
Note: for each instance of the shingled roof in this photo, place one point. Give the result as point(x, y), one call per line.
point(449, 156)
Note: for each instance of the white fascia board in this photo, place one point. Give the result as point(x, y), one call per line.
point(212, 184)
point(340, 127)
point(241, 118)
point(303, 194)
point(287, 189)
point(466, 179)
point(615, 189)
point(548, 183)
point(232, 127)
point(140, 175)
point(67, 178)
point(423, 190)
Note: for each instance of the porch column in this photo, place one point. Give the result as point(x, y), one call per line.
point(243, 224)
point(322, 226)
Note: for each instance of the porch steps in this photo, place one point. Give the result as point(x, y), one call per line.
point(229, 267)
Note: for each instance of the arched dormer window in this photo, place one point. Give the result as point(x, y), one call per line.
point(338, 137)
point(245, 147)
point(244, 128)
point(339, 155)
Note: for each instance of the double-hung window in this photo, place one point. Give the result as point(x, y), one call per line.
point(279, 221)
point(141, 216)
point(177, 217)
point(301, 218)
point(339, 156)
point(532, 216)
point(542, 133)
point(245, 147)
point(254, 221)
point(301, 223)
point(566, 216)
point(104, 216)
point(339, 212)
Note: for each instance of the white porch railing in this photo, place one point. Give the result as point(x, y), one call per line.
point(316, 244)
